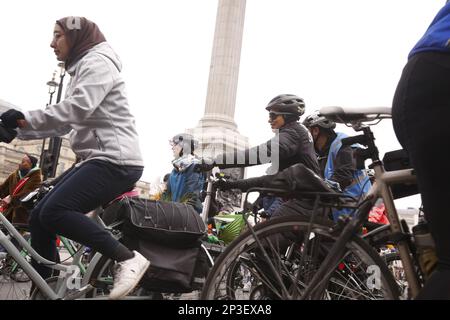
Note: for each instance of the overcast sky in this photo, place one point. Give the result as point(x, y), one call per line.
point(329, 52)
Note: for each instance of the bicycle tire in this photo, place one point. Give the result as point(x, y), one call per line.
point(10, 288)
point(223, 283)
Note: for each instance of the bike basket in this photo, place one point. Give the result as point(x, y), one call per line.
point(174, 224)
point(398, 160)
point(230, 226)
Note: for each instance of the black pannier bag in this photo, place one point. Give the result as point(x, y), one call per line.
point(166, 233)
point(171, 269)
point(173, 224)
point(398, 160)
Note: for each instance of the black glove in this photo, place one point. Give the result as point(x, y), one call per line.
point(10, 117)
point(243, 184)
point(6, 134)
point(227, 185)
point(205, 165)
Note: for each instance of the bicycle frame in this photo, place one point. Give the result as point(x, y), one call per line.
point(67, 270)
point(318, 198)
point(20, 259)
point(380, 188)
point(207, 202)
point(70, 247)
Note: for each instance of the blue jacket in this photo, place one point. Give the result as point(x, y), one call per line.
point(185, 186)
point(360, 184)
point(437, 36)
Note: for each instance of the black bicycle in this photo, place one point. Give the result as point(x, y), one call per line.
point(310, 257)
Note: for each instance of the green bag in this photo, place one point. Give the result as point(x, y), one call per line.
point(229, 226)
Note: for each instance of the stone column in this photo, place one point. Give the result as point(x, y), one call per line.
point(217, 130)
point(224, 69)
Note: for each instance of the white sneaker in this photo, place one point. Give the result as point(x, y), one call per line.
point(128, 274)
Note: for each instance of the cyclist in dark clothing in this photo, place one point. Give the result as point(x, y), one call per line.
point(322, 131)
point(291, 145)
point(336, 161)
point(420, 109)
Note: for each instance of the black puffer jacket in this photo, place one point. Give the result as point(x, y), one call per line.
point(294, 144)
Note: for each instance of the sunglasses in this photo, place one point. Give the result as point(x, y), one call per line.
point(173, 143)
point(274, 115)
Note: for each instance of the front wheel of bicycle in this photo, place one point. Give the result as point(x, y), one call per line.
point(282, 266)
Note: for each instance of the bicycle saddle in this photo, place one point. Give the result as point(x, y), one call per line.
point(353, 114)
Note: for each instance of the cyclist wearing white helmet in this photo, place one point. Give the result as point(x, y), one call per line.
point(184, 183)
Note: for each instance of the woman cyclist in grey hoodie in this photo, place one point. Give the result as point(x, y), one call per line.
point(102, 134)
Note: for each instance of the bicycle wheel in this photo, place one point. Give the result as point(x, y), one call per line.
point(14, 283)
point(289, 265)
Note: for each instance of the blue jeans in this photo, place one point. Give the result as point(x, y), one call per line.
point(62, 211)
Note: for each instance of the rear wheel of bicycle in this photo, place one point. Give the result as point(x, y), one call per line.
point(242, 272)
point(14, 283)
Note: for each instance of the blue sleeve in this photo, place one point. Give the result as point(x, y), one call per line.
point(194, 181)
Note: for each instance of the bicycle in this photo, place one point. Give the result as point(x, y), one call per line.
point(71, 283)
point(309, 257)
point(12, 275)
point(54, 288)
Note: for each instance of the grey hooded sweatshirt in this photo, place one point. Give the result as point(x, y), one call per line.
point(95, 112)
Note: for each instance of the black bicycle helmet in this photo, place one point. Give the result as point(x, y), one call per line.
point(287, 103)
point(187, 141)
point(317, 120)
